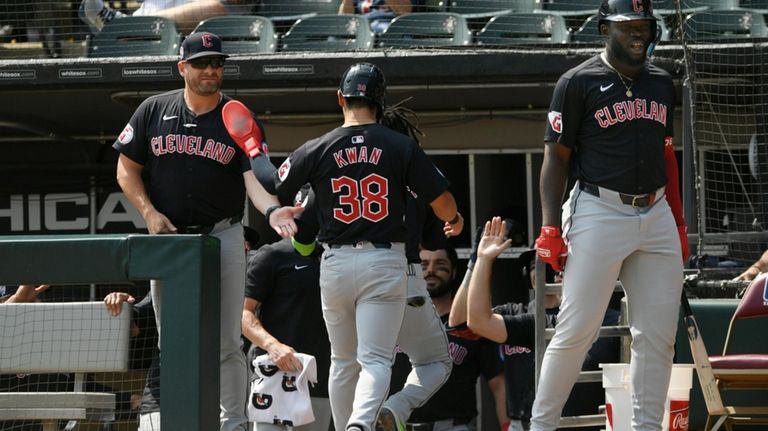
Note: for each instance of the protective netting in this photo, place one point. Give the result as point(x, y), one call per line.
point(65, 360)
point(725, 47)
point(97, 28)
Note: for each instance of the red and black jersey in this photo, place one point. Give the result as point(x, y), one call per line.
point(359, 175)
point(195, 169)
point(617, 139)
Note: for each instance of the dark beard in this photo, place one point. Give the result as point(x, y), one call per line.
point(623, 57)
point(442, 290)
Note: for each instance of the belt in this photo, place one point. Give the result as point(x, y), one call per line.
point(636, 201)
point(363, 244)
point(207, 228)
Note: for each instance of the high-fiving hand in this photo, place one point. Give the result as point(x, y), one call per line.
point(494, 240)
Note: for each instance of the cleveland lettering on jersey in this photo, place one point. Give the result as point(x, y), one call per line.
point(192, 145)
point(353, 155)
point(629, 110)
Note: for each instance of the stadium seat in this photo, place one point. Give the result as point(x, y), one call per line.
point(572, 7)
point(489, 8)
point(329, 33)
point(241, 34)
point(724, 24)
point(588, 32)
point(740, 370)
point(292, 10)
point(426, 29)
point(133, 36)
point(524, 28)
point(669, 7)
point(761, 5)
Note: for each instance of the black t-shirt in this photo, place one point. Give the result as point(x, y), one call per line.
point(472, 356)
point(359, 175)
point(288, 287)
point(195, 169)
point(618, 140)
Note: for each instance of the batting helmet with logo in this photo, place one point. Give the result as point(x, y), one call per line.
point(364, 80)
point(629, 10)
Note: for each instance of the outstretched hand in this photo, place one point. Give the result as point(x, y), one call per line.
point(282, 220)
point(454, 229)
point(494, 240)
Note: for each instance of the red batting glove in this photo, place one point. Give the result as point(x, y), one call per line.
point(551, 248)
point(682, 232)
point(242, 128)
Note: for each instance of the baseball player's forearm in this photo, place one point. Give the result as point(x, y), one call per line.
point(400, 7)
point(252, 328)
point(458, 313)
point(761, 265)
point(553, 179)
point(130, 181)
point(499, 391)
point(444, 206)
point(259, 196)
point(480, 317)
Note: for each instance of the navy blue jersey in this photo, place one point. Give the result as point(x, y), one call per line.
point(359, 175)
point(194, 167)
point(617, 140)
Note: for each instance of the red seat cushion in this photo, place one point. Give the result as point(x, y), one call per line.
point(743, 361)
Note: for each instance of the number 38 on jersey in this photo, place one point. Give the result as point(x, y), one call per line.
point(366, 198)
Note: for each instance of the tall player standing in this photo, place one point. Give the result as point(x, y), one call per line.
point(610, 126)
point(197, 180)
point(360, 173)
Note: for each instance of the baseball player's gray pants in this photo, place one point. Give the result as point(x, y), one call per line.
point(422, 337)
point(363, 295)
point(149, 421)
point(321, 408)
point(234, 379)
point(608, 240)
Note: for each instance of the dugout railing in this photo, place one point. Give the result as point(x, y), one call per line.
point(189, 267)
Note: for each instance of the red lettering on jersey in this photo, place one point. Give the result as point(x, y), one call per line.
point(654, 111)
point(619, 111)
point(629, 110)
point(363, 156)
point(208, 150)
point(282, 173)
point(228, 155)
point(126, 135)
point(339, 159)
point(662, 114)
point(218, 150)
point(458, 352)
point(351, 154)
point(191, 145)
point(198, 147)
point(155, 144)
point(170, 144)
point(600, 117)
point(668, 141)
point(375, 156)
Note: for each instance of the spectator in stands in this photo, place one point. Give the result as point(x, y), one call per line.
point(513, 325)
point(379, 12)
point(757, 268)
point(149, 407)
point(185, 13)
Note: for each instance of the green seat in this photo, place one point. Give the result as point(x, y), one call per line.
point(524, 29)
point(329, 33)
point(489, 8)
point(761, 5)
point(724, 24)
point(588, 32)
point(572, 7)
point(133, 36)
point(669, 7)
point(291, 10)
point(241, 34)
point(426, 29)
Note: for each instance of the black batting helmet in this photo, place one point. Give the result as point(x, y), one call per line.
point(625, 10)
point(366, 81)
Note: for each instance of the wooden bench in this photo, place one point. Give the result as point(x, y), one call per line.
point(72, 337)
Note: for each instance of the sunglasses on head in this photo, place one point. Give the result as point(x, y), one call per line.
point(204, 62)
